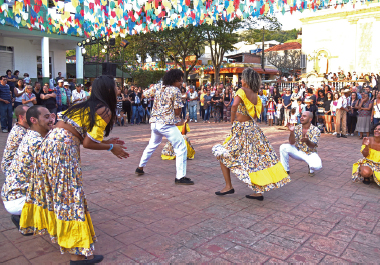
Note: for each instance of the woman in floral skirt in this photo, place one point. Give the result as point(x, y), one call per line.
point(56, 203)
point(247, 152)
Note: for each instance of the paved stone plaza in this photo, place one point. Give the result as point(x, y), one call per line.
point(148, 219)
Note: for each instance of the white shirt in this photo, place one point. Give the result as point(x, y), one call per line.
point(376, 109)
point(193, 95)
point(75, 95)
point(19, 99)
point(51, 83)
point(342, 102)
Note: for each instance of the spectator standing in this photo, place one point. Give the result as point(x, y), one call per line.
point(364, 117)
point(280, 112)
point(119, 105)
point(145, 104)
point(201, 103)
point(341, 114)
point(227, 100)
point(66, 86)
point(52, 82)
point(341, 76)
point(78, 95)
point(37, 92)
point(286, 99)
point(264, 101)
point(207, 106)
point(73, 84)
point(127, 108)
point(132, 98)
point(299, 110)
point(58, 91)
point(28, 98)
point(193, 102)
point(295, 96)
point(334, 105)
point(276, 94)
point(321, 103)
point(19, 90)
point(48, 99)
point(12, 81)
point(6, 114)
point(375, 117)
point(184, 97)
point(27, 79)
point(59, 77)
point(271, 110)
point(327, 106)
point(217, 102)
point(352, 115)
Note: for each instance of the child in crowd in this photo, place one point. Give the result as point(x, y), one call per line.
point(27, 79)
point(271, 109)
point(299, 110)
point(280, 112)
point(293, 117)
point(321, 125)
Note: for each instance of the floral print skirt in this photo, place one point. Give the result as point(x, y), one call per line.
point(375, 167)
point(167, 152)
point(249, 155)
point(55, 202)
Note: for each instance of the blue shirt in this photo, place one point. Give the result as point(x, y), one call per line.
point(264, 100)
point(4, 92)
point(286, 100)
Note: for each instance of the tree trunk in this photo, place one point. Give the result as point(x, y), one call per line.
point(216, 74)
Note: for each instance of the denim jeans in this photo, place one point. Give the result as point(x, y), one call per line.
point(183, 112)
point(193, 110)
point(61, 108)
point(6, 116)
point(263, 115)
point(207, 113)
point(135, 115)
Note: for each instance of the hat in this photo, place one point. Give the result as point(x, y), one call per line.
point(60, 81)
point(346, 91)
point(66, 83)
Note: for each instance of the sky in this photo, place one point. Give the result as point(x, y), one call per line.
point(289, 21)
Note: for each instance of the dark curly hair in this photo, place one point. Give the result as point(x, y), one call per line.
point(172, 76)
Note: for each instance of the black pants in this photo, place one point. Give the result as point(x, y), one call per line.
point(351, 123)
point(127, 108)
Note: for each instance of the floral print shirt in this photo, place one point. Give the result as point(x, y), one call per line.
point(312, 134)
point(166, 100)
point(14, 140)
point(17, 177)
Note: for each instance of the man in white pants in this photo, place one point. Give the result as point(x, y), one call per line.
point(166, 113)
point(303, 142)
point(17, 175)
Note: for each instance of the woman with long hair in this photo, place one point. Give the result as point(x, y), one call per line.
point(364, 115)
point(333, 107)
point(327, 106)
point(247, 152)
point(56, 203)
point(227, 99)
point(352, 115)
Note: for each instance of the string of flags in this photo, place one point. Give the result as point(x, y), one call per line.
point(97, 18)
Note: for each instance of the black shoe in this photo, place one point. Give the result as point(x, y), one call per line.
point(338, 135)
point(260, 198)
point(16, 220)
point(366, 181)
point(288, 172)
point(139, 172)
point(96, 259)
point(343, 135)
point(184, 181)
point(225, 193)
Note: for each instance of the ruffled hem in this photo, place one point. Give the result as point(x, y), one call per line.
point(74, 237)
point(356, 177)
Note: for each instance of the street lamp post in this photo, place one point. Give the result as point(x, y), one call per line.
point(262, 56)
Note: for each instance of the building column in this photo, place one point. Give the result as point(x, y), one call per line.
point(79, 65)
point(45, 59)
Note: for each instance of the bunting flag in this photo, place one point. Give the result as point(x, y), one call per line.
point(87, 18)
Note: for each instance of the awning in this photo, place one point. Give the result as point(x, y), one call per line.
point(239, 70)
point(90, 71)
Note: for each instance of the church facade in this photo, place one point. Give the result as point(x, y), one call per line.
point(342, 39)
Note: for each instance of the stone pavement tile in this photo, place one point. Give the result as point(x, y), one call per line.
point(182, 255)
point(264, 227)
point(102, 216)
point(210, 228)
point(327, 215)
point(107, 244)
point(240, 221)
point(367, 239)
point(317, 226)
point(334, 260)
point(369, 215)
point(188, 239)
point(14, 236)
point(167, 226)
point(129, 222)
point(346, 211)
point(218, 212)
point(275, 261)
point(218, 261)
point(285, 218)
point(327, 245)
point(137, 254)
point(359, 257)
point(6, 223)
point(35, 249)
point(343, 233)
point(52, 258)
point(193, 219)
point(370, 250)
point(134, 235)
point(283, 242)
point(291, 234)
point(358, 224)
point(367, 198)
point(158, 245)
point(170, 213)
point(260, 211)
point(370, 206)
point(8, 251)
point(317, 204)
point(17, 261)
point(116, 257)
point(302, 211)
point(113, 228)
point(376, 230)
point(242, 236)
point(270, 249)
point(306, 255)
point(215, 247)
point(239, 254)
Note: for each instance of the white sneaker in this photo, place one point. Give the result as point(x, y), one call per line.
point(334, 133)
point(5, 131)
point(352, 134)
point(191, 120)
point(195, 121)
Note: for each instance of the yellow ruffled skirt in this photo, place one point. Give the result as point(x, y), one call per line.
point(375, 166)
point(167, 152)
point(55, 202)
point(249, 155)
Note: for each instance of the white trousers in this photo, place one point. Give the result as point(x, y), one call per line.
point(15, 206)
point(288, 150)
point(174, 136)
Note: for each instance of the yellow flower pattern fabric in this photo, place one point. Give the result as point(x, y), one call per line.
point(18, 174)
point(166, 100)
point(55, 201)
point(313, 134)
point(167, 152)
point(14, 139)
point(372, 161)
point(247, 107)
